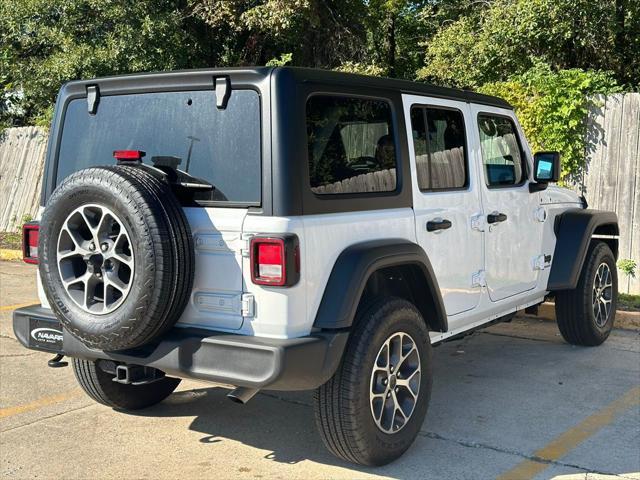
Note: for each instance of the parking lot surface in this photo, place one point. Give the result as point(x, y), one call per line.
point(512, 401)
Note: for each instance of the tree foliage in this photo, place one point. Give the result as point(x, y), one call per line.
point(542, 55)
point(552, 108)
point(317, 33)
point(504, 38)
point(45, 43)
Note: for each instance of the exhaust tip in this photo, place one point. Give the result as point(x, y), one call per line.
point(242, 395)
point(235, 399)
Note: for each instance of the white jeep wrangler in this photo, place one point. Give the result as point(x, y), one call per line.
point(295, 229)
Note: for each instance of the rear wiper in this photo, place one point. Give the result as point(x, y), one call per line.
point(183, 180)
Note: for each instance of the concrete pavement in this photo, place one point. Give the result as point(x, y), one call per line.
point(511, 401)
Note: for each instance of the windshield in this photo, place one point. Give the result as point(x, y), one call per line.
point(221, 146)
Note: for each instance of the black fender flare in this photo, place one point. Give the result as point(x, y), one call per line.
point(352, 270)
point(574, 229)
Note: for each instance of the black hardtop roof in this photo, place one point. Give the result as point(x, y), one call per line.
point(318, 76)
point(299, 74)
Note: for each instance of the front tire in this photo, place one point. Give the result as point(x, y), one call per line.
point(586, 314)
point(372, 409)
point(99, 385)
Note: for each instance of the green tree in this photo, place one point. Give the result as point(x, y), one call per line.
point(503, 38)
point(47, 42)
point(317, 33)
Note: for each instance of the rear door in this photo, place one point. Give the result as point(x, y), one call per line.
point(218, 287)
point(514, 221)
point(219, 145)
point(445, 199)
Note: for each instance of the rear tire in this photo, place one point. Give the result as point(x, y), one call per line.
point(81, 257)
point(586, 314)
point(363, 388)
point(99, 385)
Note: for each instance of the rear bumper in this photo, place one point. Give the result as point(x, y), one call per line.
point(291, 364)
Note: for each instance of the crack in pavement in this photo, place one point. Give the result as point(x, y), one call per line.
point(470, 444)
point(7, 355)
point(517, 453)
point(520, 337)
point(288, 400)
point(48, 417)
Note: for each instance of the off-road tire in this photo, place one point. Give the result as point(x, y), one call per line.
point(574, 308)
point(163, 256)
point(99, 385)
point(342, 405)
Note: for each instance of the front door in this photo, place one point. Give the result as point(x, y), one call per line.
point(446, 199)
point(513, 218)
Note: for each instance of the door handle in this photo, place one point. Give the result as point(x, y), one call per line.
point(496, 217)
point(435, 225)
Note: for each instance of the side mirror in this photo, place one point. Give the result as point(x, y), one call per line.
point(546, 167)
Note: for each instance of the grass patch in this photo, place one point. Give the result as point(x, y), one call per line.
point(628, 302)
point(10, 241)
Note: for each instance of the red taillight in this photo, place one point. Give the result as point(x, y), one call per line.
point(275, 261)
point(128, 155)
point(30, 234)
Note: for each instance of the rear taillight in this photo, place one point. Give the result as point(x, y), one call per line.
point(128, 155)
point(30, 234)
point(275, 260)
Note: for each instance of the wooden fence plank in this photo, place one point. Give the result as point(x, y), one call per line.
point(609, 165)
point(22, 152)
point(626, 195)
point(594, 146)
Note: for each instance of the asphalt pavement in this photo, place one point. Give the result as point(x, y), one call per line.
point(512, 402)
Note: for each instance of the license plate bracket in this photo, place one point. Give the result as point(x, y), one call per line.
point(45, 335)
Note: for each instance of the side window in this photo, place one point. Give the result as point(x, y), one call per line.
point(351, 145)
point(440, 148)
point(502, 156)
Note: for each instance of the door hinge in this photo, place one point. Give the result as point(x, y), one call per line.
point(479, 279)
point(542, 262)
point(245, 242)
point(478, 222)
point(248, 304)
point(540, 214)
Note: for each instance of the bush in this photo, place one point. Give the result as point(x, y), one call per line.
point(628, 267)
point(552, 108)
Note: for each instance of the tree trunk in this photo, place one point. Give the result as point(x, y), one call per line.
point(620, 41)
point(391, 43)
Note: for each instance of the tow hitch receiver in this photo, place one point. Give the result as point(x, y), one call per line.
point(137, 375)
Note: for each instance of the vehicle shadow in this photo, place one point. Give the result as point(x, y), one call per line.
point(527, 387)
point(280, 423)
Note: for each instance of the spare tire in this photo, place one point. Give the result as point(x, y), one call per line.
point(116, 256)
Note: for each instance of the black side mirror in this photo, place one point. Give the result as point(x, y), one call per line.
point(546, 167)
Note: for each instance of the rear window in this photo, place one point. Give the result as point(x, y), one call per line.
point(351, 146)
point(219, 146)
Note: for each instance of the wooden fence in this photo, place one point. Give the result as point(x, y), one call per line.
point(610, 181)
point(611, 177)
point(22, 152)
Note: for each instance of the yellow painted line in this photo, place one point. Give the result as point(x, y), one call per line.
point(19, 305)
point(570, 439)
point(7, 254)
point(40, 403)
